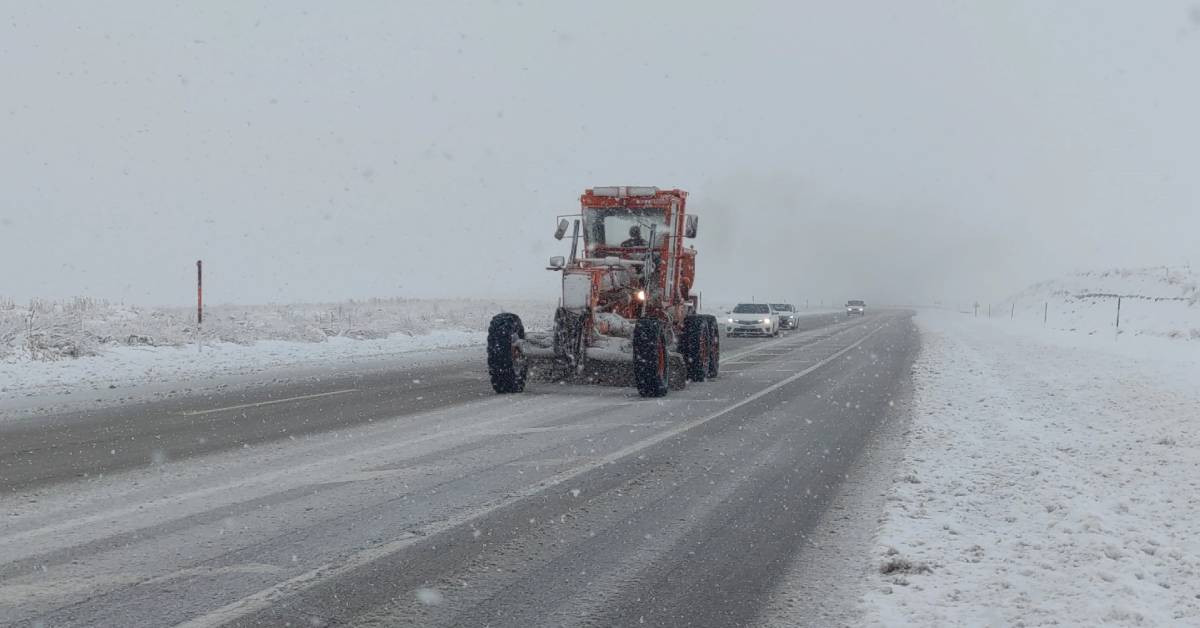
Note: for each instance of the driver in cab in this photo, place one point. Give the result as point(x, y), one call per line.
point(635, 238)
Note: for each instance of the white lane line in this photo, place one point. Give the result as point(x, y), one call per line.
point(267, 597)
point(208, 571)
point(758, 347)
point(744, 356)
point(278, 478)
point(791, 342)
point(267, 403)
point(543, 429)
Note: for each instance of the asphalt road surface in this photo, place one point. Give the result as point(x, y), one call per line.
point(415, 496)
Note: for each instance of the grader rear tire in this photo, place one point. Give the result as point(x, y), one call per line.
point(714, 346)
point(694, 345)
point(650, 365)
point(507, 365)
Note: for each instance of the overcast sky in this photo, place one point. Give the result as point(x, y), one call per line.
point(892, 151)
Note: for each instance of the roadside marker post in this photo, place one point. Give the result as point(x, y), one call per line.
point(199, 304)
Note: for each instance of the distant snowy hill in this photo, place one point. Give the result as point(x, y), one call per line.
point(1155, 301)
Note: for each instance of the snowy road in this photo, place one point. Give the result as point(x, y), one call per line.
point(418, 498)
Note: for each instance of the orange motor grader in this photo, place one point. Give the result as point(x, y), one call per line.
point(629, 311)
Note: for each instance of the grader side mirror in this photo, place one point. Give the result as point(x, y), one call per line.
point(562, 229)
point(689, 227)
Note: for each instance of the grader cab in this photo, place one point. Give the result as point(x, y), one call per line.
point(629, 312)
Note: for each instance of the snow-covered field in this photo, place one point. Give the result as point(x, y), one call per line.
point(1156, 301)
point(1048, 477)
point(83, 346)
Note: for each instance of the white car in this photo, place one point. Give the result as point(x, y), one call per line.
point(856, 307)
point(787, 315)
point(752, 319)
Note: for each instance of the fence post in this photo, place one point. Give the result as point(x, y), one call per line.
point(1013, 312)
point(1045, 312)
point(1118, 332)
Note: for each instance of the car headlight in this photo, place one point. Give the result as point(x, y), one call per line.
point(766, 321)
point(731, 321)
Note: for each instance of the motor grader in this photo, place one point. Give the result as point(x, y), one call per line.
point(629, 312)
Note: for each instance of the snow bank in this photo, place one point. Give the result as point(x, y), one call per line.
point(46, 330)
point(1048, 478)
point(1156, 301)
point(58, 347)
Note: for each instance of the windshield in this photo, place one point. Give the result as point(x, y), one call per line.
point(752, 308)
point(781, 307)
point(621, 227)
point(854, 303)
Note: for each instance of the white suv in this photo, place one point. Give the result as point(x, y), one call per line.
point(787, 315)
point(854, 306)
point(752, 319)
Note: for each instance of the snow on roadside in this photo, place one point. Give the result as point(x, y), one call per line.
point(123, 366)
point(49, 330)
point(1048, 478)
point(257, 339)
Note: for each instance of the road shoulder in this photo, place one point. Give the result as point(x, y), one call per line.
point(176, 374)
point(1043, 478)
point(825, 585)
